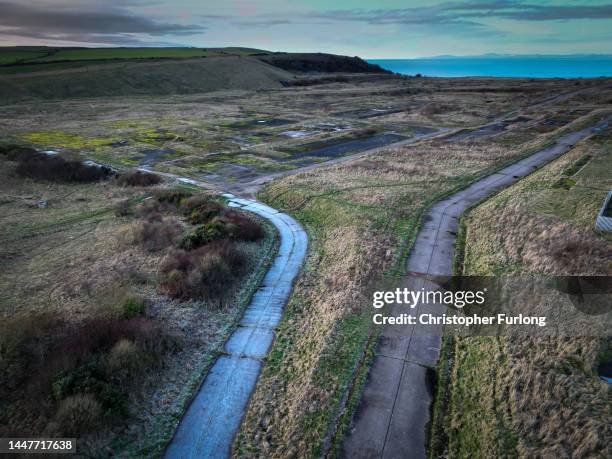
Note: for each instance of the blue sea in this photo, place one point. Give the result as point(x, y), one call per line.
point(512, 66)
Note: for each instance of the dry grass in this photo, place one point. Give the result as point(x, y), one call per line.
point(536, 397)
point(360, 216)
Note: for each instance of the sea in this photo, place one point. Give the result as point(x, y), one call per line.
point(511, 66)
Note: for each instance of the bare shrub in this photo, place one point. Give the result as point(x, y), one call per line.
point(244, 228)
point(138, 178)
point(14, 152)
point(196, 201)
point(125, 360)
point(208, 272)
point(156, 233)
point(22, 341)
point(123, 208)
point(76, 415)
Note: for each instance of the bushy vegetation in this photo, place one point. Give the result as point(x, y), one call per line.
point(208, 272)
point(156, 232)
point(205, 258)
point(40, 166)
point(138, 178)
point(72, 378)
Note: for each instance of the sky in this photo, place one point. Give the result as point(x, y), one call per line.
point(369, 29)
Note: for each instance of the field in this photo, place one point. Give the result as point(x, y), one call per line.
point(86, 308)
point(313, 146)
point(234, 142)
point(542, 396)
point(362, 216)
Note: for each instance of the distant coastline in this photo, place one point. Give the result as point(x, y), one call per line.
point(491, 65)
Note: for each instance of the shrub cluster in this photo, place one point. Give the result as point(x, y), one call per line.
point(16, 152)
point(86, 368)
point(138, 178)
point(226, 224)
point(39, 166)
point(208, 272)
point(156, 233)
point(206, 262)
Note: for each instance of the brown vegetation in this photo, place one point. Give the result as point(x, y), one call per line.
point(138, 178)
point(50, 365)
point(39, 166)
point(208, 272)
point(542, 396)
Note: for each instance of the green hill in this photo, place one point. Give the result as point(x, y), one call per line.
point(143, 78)
point(39, 72)
point(21, 55)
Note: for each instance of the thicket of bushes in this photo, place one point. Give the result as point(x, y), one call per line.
point(208, 272)
point(73, 378)
point(39, 166)
point(206, 259)
point(138, 178)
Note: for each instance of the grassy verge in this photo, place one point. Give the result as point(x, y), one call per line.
point(498, 386)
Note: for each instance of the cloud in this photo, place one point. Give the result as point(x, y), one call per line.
point(469, 13)
point(89, 23)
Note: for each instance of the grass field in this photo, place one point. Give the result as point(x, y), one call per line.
point(538, 396)
point(361, 217)
point(230, 140)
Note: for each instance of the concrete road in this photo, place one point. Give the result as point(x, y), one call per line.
point(211, 421)
point(394, 410)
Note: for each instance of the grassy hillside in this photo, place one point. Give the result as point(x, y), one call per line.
point(41, 54)
point(319, 62)
point(143, 78)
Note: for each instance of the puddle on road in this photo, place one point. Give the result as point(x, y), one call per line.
point(296, 134)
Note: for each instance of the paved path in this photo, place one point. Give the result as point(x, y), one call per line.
point(211, 421)
point(393, 413)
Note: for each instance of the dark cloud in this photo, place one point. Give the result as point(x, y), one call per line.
point(90, 24)
point(468, 13)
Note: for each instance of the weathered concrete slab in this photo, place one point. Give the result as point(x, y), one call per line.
point(211, 421)
point(208, 427)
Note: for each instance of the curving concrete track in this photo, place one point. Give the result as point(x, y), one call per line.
point(211, 421)
point(393, 413)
